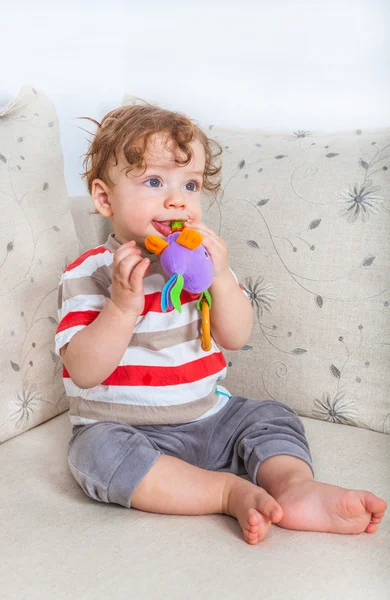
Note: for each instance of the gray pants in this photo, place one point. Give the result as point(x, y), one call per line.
point(109, 459)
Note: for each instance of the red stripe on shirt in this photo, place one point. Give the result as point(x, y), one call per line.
point(153, 301)
point(73, 319)
point(140, 375)
point(83, 257)
point(152, 304)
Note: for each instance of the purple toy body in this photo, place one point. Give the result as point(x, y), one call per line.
point(195, 266)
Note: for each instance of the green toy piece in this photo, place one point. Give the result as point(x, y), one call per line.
point(176, 291)
point(177, 225)
point(206, 295)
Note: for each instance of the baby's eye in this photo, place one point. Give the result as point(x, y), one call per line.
point(154, 182)
point(153, 179)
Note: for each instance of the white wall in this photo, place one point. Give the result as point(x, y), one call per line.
point(276, 65)
point(74, 52)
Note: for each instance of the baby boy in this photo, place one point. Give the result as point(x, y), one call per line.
point(152, 427)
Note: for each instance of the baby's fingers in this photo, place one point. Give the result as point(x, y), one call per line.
point(138, 274)
point(126, 264)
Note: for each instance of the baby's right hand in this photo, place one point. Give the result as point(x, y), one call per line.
point(127, 286)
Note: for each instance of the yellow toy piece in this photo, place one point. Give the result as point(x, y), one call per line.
point(205, 336)
point(155, 244)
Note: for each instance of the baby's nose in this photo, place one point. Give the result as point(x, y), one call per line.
point(175, 198)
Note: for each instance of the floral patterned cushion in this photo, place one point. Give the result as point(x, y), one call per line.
point(306, 218)
point(38, 240)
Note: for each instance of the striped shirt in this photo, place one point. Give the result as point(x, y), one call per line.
point(164, 376)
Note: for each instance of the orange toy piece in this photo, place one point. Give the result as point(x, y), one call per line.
point(205, 335)
point(189, 238)
point(155, 244)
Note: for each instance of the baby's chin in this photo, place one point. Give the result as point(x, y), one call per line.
point(130, 237)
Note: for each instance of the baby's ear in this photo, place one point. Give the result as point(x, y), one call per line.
point(155, 244)
point(100, 198)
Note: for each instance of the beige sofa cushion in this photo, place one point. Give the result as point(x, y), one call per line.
point(38, 240)
point(57, 543)
point(306, 218)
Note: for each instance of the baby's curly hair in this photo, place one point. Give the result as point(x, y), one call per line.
point(129, 128)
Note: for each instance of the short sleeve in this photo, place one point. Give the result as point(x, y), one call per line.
point(80, 300)
point(235, 277)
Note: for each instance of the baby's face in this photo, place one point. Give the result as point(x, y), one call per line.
point(164, 192)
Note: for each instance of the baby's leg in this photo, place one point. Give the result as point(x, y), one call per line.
point(117, 463)
point(173, 486)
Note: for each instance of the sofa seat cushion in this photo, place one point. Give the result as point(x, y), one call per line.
point(56, 542)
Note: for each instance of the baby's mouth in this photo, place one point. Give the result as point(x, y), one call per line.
point(163, 227)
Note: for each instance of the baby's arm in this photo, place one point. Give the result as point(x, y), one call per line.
point(94, 352)
point(230, 314)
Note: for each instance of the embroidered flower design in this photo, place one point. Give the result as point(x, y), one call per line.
point(360, 202)
point(23, 405)
point(336, 411)
point(301, 133)
point(259, 296)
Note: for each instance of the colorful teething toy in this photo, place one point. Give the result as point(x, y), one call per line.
point(189, 266)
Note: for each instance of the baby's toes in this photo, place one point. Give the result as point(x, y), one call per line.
point(257, 526)
point(377, 517)
point(253, 520)
point(373, 504)
point(376, 520)
point(252, 537)
point(371, 528)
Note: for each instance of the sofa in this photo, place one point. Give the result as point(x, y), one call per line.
point(306, 218)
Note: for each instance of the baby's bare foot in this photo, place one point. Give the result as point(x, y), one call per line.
point(314, 506)
point(253, 507)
